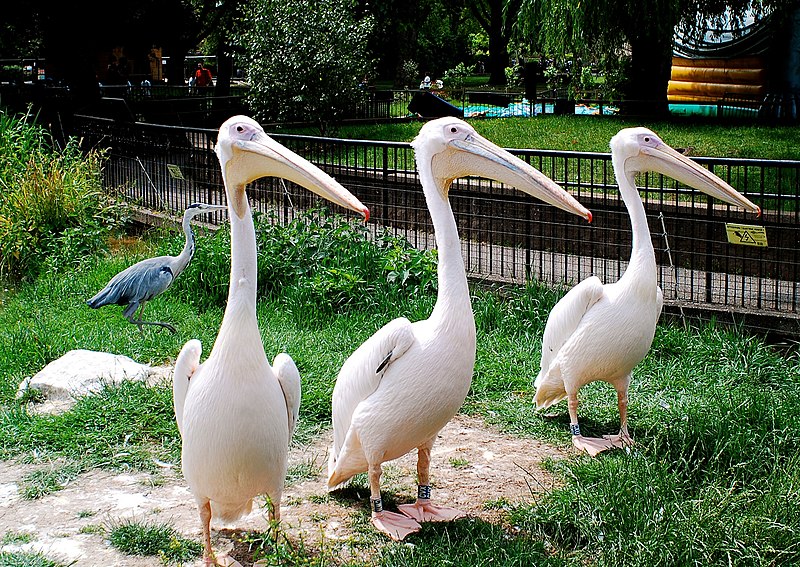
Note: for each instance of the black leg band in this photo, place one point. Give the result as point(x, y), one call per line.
point(424, 492)
point(575, 429)
point(377, 505)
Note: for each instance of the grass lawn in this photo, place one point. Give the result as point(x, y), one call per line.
point(592, 134)
point(713, 480)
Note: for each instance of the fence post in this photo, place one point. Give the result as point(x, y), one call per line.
point(385, 184)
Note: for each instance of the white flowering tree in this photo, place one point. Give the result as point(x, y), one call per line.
point(304, 59)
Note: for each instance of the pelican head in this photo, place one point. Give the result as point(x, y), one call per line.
point(247, 153)
point(454, 149)
point(642, 150)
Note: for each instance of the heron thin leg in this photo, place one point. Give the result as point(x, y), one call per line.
point(139, 322)
point(422, 510)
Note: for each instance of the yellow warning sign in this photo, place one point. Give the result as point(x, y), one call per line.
point(747, 234)
point(175, 171)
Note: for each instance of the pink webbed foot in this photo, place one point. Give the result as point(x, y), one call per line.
point(621, 440)
point(592, 445)
point(424, 511)
point(222, 560)
point(396, 526)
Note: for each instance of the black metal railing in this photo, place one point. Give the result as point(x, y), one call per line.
point(507, 236)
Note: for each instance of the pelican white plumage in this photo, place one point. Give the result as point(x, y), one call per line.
point(601, 332)
point(400, 387)
point(235, 412)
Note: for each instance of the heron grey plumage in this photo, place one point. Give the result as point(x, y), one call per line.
point(141, 282)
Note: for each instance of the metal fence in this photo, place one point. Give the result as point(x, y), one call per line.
point(506, 235)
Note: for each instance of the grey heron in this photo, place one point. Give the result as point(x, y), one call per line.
point(134, 286)
point(236, 413)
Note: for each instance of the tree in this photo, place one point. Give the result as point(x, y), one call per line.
point(304, 59)
point(630, 33)
point(497, 18)
point(426, 35)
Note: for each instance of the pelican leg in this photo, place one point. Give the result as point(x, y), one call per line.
point(591, 445)
point(623, 439)
point(205, 522)
point(209, 557)
point(396, 526)
point(422, 510)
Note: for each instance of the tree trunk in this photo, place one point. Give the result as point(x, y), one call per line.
point(648, 79)
point(498, 44)
point(224, 72)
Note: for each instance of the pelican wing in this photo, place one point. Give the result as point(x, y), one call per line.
point(361, 373)
point(289, 380)
point(565, 318)
point(187, 364)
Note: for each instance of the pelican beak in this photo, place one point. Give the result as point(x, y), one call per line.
point(667, 161)
point(485, 159)
point(261, 156)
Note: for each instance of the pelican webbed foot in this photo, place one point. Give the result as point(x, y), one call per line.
point(226, 560)
point(396, 526)
point(424, 511)
point(592, 445)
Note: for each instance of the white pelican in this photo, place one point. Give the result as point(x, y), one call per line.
point(235, 412)
point(400, 387)
point(601, 332)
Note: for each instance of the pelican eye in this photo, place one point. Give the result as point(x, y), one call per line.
point(240, 128)
point(453, 130)
point(647, 138)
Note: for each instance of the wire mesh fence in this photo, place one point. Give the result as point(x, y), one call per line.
point(506, 235)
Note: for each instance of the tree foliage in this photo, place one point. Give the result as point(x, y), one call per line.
point(304, 59)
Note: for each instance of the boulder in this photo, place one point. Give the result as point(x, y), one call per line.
point(81, 372)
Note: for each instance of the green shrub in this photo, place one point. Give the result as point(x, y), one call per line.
point(53, 209)
point(317, 259)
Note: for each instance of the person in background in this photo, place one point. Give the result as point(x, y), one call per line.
point(202, 76)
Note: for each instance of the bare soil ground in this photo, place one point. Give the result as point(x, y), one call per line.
point(472, 463)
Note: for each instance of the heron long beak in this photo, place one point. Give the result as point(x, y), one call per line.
point(667, 161)
point(491, 161)
point(261, 156)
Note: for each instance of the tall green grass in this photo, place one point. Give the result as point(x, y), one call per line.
point(53, 208)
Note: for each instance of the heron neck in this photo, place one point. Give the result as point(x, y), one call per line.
point(453, 296)
point(642, 266)
point(183, 259)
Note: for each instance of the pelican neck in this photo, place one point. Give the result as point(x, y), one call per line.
point(643, 261)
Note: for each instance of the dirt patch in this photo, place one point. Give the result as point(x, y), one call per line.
point(472, 463)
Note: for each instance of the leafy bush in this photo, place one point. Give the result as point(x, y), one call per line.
point(454, 78)
point(53, 210)
point(316, 259)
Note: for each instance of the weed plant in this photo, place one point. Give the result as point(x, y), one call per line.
point(711, 480)
point(54, 210)
point(27, 559)
point(134, 537)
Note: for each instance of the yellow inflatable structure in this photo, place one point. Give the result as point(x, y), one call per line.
point(709, 80)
